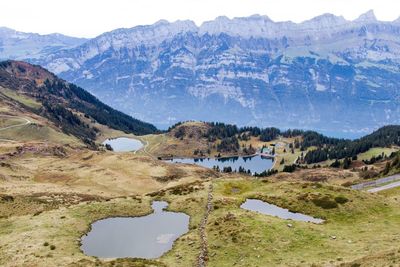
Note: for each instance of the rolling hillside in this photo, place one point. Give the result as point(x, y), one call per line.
point(70, 108)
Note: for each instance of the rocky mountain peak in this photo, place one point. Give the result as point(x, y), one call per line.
point(155, 33)
point(253, 26)
point(326, 20)
point(367, 17)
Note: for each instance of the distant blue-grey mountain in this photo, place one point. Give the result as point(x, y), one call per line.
point(327, 73)
point(22, 45)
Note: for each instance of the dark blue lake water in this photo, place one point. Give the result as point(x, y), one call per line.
point(254, 164)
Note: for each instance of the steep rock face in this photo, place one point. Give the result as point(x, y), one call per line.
point(326, 73)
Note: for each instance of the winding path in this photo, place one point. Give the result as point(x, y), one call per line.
point(17, 125)
point(203, 256)
point(384, 187)
point(392, 178)
point(390, 182)
point(143, 149)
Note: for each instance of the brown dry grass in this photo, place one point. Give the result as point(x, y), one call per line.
point(91, 172)
point(324, 175)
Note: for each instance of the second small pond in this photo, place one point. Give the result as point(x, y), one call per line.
point(124, 144)
point(273, 210)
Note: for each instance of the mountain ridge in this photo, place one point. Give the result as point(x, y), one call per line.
point(63, 103)
point(302, 75)
point(22, 45)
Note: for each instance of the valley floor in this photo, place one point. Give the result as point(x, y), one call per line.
point(49, 198)
point(51, 192)
point(55, 182)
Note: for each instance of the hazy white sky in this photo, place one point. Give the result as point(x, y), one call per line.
point(88, 18)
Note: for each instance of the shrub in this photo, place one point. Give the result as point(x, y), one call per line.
point(289, 168)
point(317, 185)
point(368, 174)
point(45, 244)
point(109, 147)
point(52, 247)
point(325, 203)
point(335, 164)
point(7, 198)
point(341, 199)
point(37, 213)
point(347, 184)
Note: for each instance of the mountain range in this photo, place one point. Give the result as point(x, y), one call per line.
point(21, 45)
point(328, 73)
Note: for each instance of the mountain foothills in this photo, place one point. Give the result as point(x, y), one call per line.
point(326, 73)
point(66, 105)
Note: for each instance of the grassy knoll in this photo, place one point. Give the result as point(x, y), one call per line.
point(376, 151)
point(326, 175)
point(44, 168)
point(10, 121)
point(32, 235)
point(20, 98)
point(153, 143)
point(190, 199)
point(243, 238)
point(393, 193)
point(27, 240)
point(37, 132)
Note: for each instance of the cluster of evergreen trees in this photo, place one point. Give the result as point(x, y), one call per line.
point(345, 164)
point(180, 133)
point(326, 147)
point(289, 168)
point(106, 115)
point(249, 150)
point(69, 122)
point(395, 164)
point(59, 98)
point(332, 148)
point(228, 144)
point(311, 138)
point(244, 171)
point(219, 130)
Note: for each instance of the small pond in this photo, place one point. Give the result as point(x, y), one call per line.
point(145, 237)
point(256, 164)
point(270, 209)
point(124, 144)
